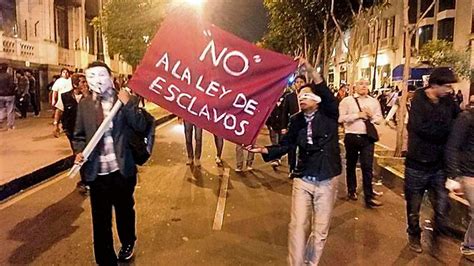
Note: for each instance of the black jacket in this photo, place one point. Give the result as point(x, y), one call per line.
point(460, 146)
point(68, 119)
point(321, 159)
point(429, 125)
point(286, 106)
point(7, 86)
point(127, 119)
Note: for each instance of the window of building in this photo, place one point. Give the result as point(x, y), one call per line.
point(365, 73)
point(446, 29)
point(365, 37)
point(425, 35)
point(412, 11)
point(446, 4)
point(62, 30)
point(90, 37)
point(8, 17)
point(424, 6)
point(391, 26)
point(384, 30)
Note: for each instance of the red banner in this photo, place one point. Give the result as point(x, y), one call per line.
point(212, 78)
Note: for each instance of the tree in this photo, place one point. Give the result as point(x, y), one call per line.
point(439, 53)
point(409, 31)
point(305, 27)
point(128, 26)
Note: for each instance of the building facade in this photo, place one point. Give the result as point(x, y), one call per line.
point(383, 41)
point(47, 35)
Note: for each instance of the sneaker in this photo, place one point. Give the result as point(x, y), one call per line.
point(377, 194)
point(197, 163)
point(249, 168)
point(414, 244)
point(126, 252)
point(352, 196)
point(189, 161)
point(274, 164)
point(467, 251)
point(373, 203)
point(11, 128)
point(219, 161)
point(238, 170)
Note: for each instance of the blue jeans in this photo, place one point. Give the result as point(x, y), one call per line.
point(468, 187)
point(416, 183)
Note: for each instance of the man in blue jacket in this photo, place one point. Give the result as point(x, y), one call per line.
point(110, 169)
point(314, 131)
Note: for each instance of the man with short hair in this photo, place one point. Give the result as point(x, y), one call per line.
point(23, 95)
point(32, 90)
point(7, 97)
point(314, 130)
point(431, 117)
point(110, 168)
point(354, 112)
point(66, 112)
point(61, 85)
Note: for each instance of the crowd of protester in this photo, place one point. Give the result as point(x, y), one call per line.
point(304, 125)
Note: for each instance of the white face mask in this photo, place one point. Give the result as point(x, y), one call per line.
point(99, 79)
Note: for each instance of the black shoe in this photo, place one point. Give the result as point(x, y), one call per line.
point(414, 244)
point(126, 252)
point(373, 203)
point(352, 196)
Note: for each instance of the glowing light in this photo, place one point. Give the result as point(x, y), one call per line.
point(195, 2)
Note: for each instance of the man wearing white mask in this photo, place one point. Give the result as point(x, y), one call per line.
point(314, 130)
point(110, 169)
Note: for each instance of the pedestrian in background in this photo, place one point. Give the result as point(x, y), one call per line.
point(33, 92)
point(315, 131)
point(431, 117)
point(7, 97)
point(66, 112)
point(354, 112)
point(240, 158)
point(460, 167)
point(23, 96)
point(194, 153)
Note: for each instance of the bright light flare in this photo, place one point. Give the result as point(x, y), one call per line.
point(195, 2)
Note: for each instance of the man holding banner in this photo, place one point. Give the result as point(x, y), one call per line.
point(110, 168)
point(314, 131)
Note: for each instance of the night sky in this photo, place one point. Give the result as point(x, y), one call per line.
point(244, 18)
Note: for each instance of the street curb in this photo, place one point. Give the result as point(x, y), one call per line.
point(40, 175)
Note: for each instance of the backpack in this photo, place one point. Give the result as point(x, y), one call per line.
point(141, 143)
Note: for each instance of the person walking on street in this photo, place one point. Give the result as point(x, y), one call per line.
point(315, 131)
point(239, 156)
point(110, 168)
point(23, 96)
point(194, 154)
point(32, 90)
point(61, 85)
point(290, 108)
point(7, 97)
point(66, 111)
point(431, 117)
point(460, 166)
point(219, 142)
point(354, 112)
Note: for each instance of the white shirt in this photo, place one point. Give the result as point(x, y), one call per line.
point(62, 85)
point(349, 113)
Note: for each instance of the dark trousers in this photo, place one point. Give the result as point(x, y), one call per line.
point(359, 146)
point(188, 133)
point(219, 145)
point(107, 192)
point(292, 159)
point(34, 103)
point(416, 183)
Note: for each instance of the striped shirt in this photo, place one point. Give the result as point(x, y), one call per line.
point(107, 157)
